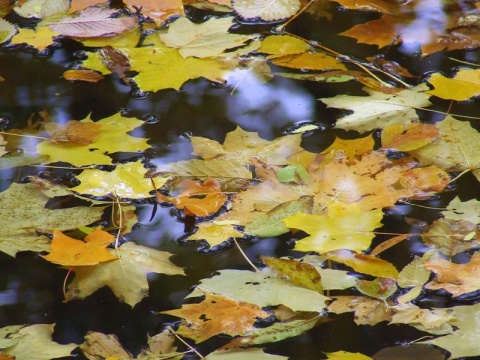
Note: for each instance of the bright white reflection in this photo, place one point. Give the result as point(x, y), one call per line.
point(262, 107)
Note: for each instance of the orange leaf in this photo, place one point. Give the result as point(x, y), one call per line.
point(198, 198)
point(407, 137)
point(216, 315)
point(67, 251)
point(73, 131)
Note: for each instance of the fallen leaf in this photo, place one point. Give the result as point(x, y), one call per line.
point(38, 337)
point(159, 11)
point(463, 86)
point(116, 61)
point(125, 276)
point(161, 344)
point(7, 30)
point(82, 75)
point(204, 169)
point(266, 10)
point(93, 22)
point(364, 264)
point(408, 136)
point(41, 8)
point(455, 150)
point(261, 289)
point(199, 198)
point(310, 61)
point(127, 181)
point(251, 353)
point(345, 227)
point(352, 147)
point(457, 279)
point(279, 45)
point(73, 131)
point(215, 234)
point(216, 315)
point(463, 210)
point(111, 138)
point(103, 346)
point(379, 288)
point(208, 39)
point(434, 321)
point(20, 222)
point(69, 252)
point(378, 109)
point(367, 311)
point(451, 237)
point(345, 355)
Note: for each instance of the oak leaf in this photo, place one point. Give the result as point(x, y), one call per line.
point(215, 315)
point(125, 276)
point(67, 251)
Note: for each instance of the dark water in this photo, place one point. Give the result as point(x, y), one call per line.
point(31, 288)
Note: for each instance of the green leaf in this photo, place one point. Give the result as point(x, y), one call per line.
point(270, 223)
point(293, 173)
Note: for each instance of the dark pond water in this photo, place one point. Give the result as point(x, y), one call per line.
point(31, 288)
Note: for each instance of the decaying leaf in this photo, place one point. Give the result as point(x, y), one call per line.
point(82, 75)
point(125, 276)
point(73, 131)
point(463, 210)
point(103, 346)
point(368, 311)
point(36, 338)
point(20, 221)
point(215, 315)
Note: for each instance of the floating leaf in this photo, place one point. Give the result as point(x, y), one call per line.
point(41, 8)
point(267, 10)
point(215, 234)
point(408, 136)
point(82, 75)
point(7, 30)
point(463, 86)
point(73, 131)
point(92, 22)
point(215, 315)
point(310, 61)
point(72, 252)
point(125, 276)
point(466, 210)
point(208, 39)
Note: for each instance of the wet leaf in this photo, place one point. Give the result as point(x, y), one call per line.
point(73, 131)
point(279, 45)
point(39, 38)
point(456, 148)
point(457, 279)
point(67, 251)
point(261, 289)
point(215, 234)
point(379, 288)
point(127, 181)
point(235, 354)
point(379, 110)
point(103, 346)
point(466, 210)
point(82, 75)
point(408, 136)
point(92, 22)
point(204, 169)
point(210, 38)
point(364, 264)
point(41, 8)
point(352, 147)
point(413, 276)
point(38, 337)
point(266, 10)
point(159, 11)
point(216, 315)
point(368, 311)
point(198, 198)
point(344, 355)
point(310, 61)
point(20, 222)
point(7, 30)
point(112, 137)
point(271, 224)
point(127, 276)
point(433, 321)
point(463, 86)
point(345, 227)
point(116, 61)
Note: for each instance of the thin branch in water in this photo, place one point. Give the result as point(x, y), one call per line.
point(245, 255)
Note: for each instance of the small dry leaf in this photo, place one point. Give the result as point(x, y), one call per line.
point(73, 131)
point(116, 61)
point(82, 75)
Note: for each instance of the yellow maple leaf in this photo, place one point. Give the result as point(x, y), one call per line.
point(39, 38)
point(463, 86)
point(346, 226)
point(126, 181)
point(112, 137)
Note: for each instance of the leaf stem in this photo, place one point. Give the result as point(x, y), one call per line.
point(245, 256)
point(23, 135)
point(184, 342)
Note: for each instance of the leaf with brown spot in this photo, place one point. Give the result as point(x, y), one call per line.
point(82, 75)
point(73, 131)
point(116, 61)
point(407, 137)
point(216, 315)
